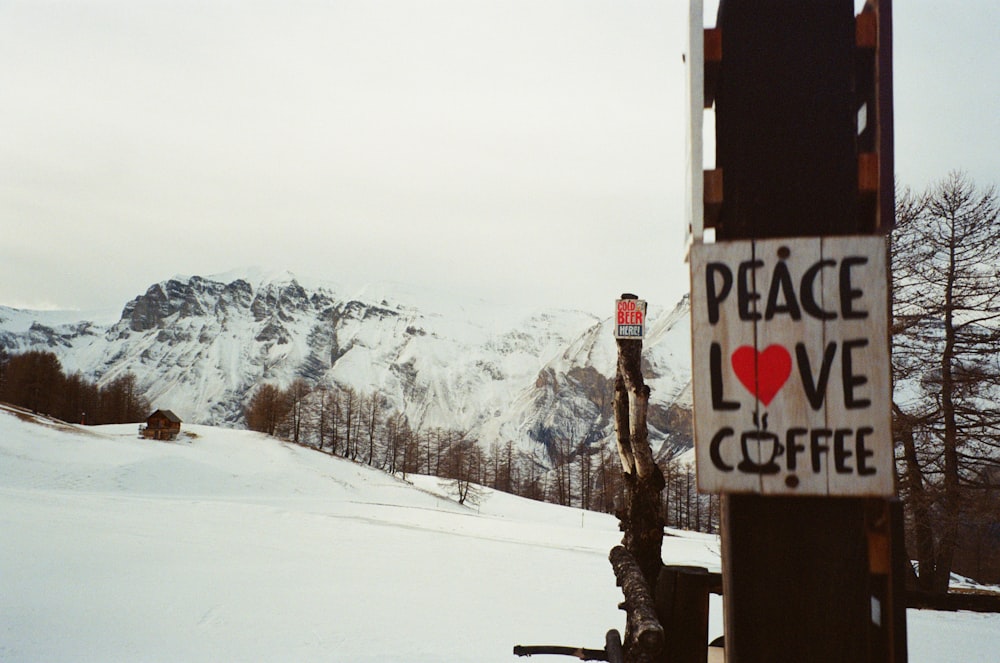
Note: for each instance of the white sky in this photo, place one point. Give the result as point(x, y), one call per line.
point(501, 149)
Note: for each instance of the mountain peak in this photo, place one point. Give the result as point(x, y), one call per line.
point(202, 345)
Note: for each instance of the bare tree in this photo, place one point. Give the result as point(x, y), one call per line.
point(298, 395)
point(462, 464)
point(267, 409)
point(373, 407)
point(335, 423)
point(584, 464)
point(4, 363)
point(397, 437)
point(561, 452)
point(350, 409)
point(32, 380)
point(410, 463)
point(504, 477)
point(35, 380)
point(609, 478)
point(319, 414)
point(946, 326)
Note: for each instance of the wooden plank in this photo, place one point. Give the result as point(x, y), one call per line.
point(696, 119)
point(795, 576)
point(712, 197)
point(719, 410)
point(713, 45)
point(884, 102)
point(682, 607)
point(860, 389)
point(713, 64)
point(866, 29)
point(868, 173)
point(785, 127)
point(790, 327)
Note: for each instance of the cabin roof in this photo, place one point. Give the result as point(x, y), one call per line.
point(170, 416)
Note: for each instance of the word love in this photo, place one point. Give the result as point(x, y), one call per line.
point(765, 373)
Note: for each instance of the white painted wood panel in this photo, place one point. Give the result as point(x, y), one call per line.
point(791, 367)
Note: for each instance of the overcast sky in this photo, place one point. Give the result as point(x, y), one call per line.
point(499, 149)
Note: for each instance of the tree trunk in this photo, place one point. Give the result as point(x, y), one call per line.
point(917, 502)
point(642, 517)
point(643, 633)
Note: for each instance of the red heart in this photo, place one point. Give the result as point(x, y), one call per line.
point(762, 373)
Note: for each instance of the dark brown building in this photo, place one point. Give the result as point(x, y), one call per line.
point(161, 425)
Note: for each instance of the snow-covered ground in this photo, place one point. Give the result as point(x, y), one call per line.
point(229, 546)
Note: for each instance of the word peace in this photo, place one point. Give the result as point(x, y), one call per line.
point(782, 297)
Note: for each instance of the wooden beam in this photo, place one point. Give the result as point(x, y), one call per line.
point(713, 188)
point(868, 173)
point(713, 63)
point(866, 29)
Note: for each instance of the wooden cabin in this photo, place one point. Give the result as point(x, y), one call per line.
point(161, 425)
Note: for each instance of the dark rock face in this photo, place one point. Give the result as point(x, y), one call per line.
point(163, 300)
point(238, 294)
point(147, 311)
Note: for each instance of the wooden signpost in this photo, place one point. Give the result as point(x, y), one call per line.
point(789, 325)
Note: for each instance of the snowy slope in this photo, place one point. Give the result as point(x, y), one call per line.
point(200, 346)
point(229, 546)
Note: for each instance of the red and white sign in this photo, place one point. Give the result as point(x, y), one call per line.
point(792, 389)
point(630, 318)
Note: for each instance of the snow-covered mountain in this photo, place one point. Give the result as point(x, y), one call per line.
point(199, 346)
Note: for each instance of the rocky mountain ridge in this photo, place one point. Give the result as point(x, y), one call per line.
point(201, 345)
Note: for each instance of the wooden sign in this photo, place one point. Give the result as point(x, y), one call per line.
point(630, 318)
point(792, 389)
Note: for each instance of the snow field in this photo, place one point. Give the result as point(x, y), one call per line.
point(228, 545)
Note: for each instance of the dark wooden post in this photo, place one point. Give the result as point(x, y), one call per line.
point(682, 605)
point(797, 571)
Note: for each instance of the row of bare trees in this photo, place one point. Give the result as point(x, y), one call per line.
point(342, 421)
point(592, 479)
point(35, 380)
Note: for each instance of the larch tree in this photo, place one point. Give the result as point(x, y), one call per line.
point(945, 254)
point(121, 400)
point(267, 409)
point(298, 395)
